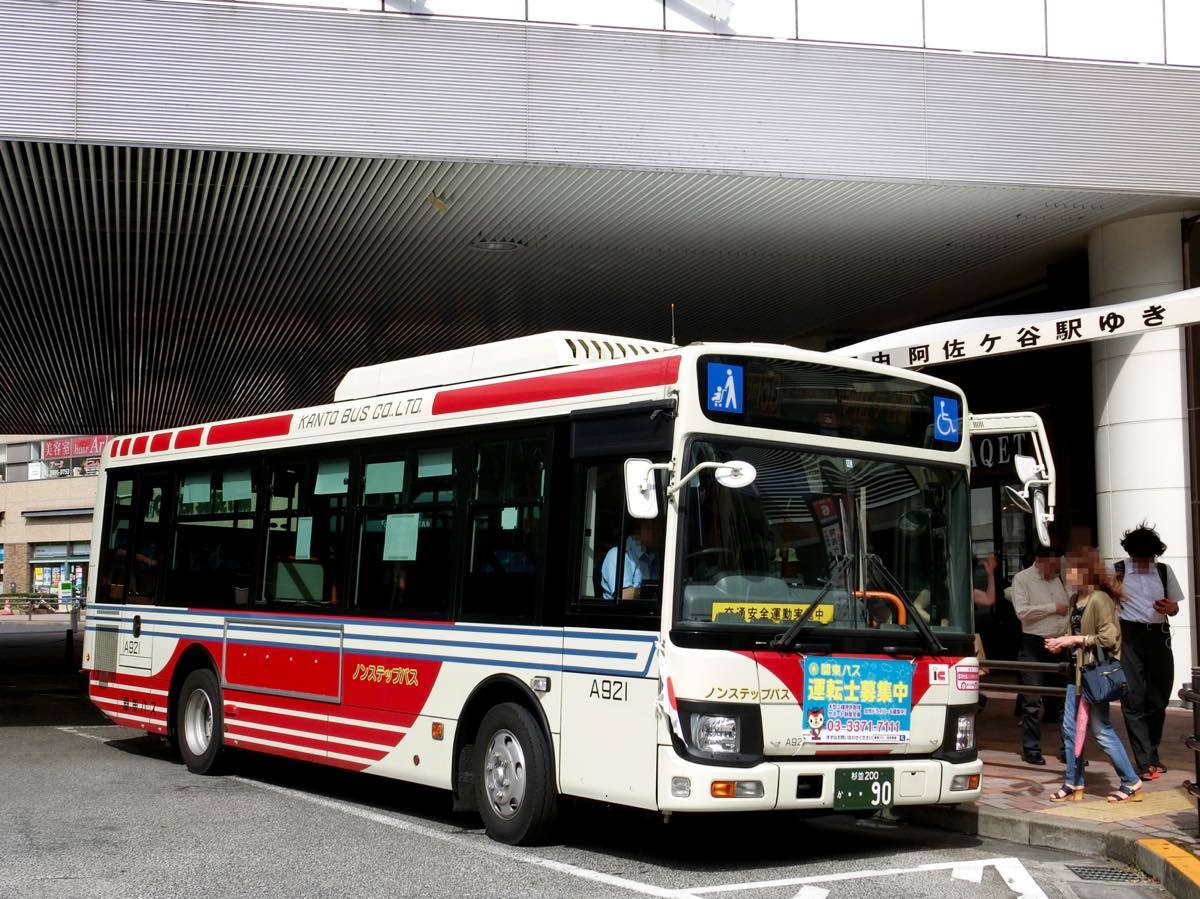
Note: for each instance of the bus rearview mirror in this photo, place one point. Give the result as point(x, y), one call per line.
point(735, 474)
point(1027, 469)
point(1017, 498)
point(641, 499)
point(1040, 518)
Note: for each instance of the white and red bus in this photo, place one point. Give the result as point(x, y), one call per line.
point(703, 578)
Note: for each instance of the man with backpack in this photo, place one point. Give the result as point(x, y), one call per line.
point(1150, 593)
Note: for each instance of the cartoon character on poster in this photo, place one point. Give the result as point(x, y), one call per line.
point(816, 721)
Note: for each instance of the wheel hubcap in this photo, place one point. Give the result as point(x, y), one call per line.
point(198, 722)
point(504, 773)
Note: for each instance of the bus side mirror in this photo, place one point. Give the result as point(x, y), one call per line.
point(641, 499)
point(1032, 477)
point(1040, 518)
point(1027, 469)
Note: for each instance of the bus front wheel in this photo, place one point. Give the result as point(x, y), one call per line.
point(200, 722)
point(514, 777)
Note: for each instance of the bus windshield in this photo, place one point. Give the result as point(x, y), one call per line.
point(871, 542)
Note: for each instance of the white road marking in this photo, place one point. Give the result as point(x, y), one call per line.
point(1018, 879)
point(75, 733)
point(496, 849)
point(1014, 874)
point(811, 892)
point(972, 871)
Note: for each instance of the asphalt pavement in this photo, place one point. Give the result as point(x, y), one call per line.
point(88, 809)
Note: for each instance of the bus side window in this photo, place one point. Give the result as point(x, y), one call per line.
point(308, 503)
point(213, 538)
point(146, 550)
point(406, 545)
point(621, 558)
point(114, 563)
point(506, 521)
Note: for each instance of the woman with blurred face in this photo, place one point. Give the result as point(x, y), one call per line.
point(1091, 623)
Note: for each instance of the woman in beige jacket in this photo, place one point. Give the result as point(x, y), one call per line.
point(1091, 623)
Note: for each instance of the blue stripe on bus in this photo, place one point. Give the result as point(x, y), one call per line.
point(262, 629)
point(600, 653)
point(567, 669)
point(232, 616)
point(364, 651)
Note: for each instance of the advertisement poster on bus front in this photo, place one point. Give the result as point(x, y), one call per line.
point(855, 700)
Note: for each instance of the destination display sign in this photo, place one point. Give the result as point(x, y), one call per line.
point(816, 398)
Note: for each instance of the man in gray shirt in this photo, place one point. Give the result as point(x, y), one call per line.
point(1040, 601)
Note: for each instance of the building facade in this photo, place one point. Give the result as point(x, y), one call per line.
point(47, 500)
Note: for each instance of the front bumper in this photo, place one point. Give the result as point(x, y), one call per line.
point(917, 782)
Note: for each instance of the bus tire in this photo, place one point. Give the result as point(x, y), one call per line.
point(514, 777)
point(200, 722)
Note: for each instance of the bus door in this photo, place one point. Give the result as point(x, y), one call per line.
point(609, 731)
point(136, 553)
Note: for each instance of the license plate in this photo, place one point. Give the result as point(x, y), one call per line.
point(862, 788)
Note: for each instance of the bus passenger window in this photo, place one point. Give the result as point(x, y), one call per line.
point(406, 550)
point(114, 564)
point(213, 540)
point(149, 540)
point(621, 559)
point(306, 525)
point(506, 529)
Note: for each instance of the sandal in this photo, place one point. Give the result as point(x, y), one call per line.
point(1067, 793)
point(1126, 794)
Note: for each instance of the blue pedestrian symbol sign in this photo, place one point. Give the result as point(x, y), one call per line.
point(945, 419)
point(725, 388)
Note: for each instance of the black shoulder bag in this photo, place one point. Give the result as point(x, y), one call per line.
point(1104, 680)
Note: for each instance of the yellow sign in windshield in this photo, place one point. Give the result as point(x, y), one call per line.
point(753, 612)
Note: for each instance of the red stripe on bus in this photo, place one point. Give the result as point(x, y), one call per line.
point(250, 429)
point(188, 437)
point(365, 733)
point(295, 754)
point(139, 444)
point(123, 449)
point(234, 728)
point(160, 442)
point(628, 376)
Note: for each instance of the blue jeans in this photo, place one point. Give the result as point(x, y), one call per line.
point(1102, 730)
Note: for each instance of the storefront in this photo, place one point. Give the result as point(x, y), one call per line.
point(59, 568)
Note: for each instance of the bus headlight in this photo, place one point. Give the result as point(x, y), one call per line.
point(964, 735)
point(715, 733)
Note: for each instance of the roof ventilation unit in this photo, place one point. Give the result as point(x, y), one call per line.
point(504, 358)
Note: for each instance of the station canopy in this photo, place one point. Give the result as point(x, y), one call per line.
point(145, 288)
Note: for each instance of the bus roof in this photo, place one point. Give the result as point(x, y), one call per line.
point(503, 358)
point(562, 369)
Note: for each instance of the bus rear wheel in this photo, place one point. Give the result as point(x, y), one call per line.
point(514, 777)
point(200, 723)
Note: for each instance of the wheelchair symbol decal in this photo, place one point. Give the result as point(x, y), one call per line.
point(945, 419)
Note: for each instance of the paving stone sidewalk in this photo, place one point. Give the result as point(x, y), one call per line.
point(1013, 785)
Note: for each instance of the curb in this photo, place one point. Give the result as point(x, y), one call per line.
point(1177, 869)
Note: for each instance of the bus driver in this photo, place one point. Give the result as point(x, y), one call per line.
point(643, 561)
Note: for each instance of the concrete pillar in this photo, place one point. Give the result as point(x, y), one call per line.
point(1139, 393)
point(16, 566)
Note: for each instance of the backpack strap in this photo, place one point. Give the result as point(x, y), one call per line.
point(1162, 575)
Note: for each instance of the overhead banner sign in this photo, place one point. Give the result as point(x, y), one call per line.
point(977, 338)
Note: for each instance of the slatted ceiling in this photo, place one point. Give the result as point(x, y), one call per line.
point(144, 287)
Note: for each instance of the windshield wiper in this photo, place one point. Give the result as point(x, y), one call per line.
point(930, 638)
point(787, 639)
